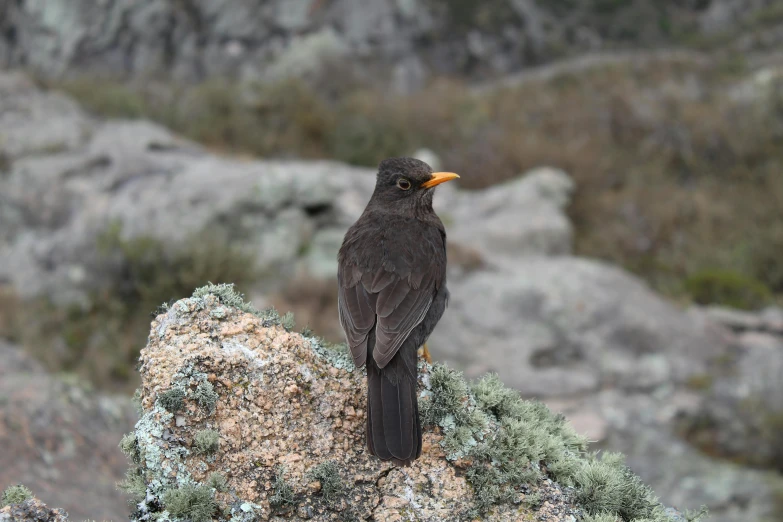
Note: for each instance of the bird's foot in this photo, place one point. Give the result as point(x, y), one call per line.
point(424, 353)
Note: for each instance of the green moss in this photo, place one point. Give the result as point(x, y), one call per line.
point(206, 396)
point(727, 288)
point(605, 485)
point(195, 503)
point(228, 295)
point(511, 442)
point(15, 495)
point(133, 485)
point(283, 492)
point(172, 399)
point(329, 476)
point(136, 401)
point(130, 448)
point(601, 517)
point(206, 442)
point(287, 321)
point(217, 481)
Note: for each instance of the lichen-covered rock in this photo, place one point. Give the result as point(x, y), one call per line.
point(31, 510)
point(245, 420)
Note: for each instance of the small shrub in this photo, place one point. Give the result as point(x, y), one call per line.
point(206, 442)
point(727, 288)
point(195, 503)
point(16, 495)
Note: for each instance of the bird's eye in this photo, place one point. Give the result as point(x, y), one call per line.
point(403, 183)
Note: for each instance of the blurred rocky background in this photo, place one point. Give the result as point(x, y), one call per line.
point(615, 239)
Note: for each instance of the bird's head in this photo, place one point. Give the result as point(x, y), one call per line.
point(407, 182)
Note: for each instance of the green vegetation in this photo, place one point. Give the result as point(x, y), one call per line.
point(283, 492)
point(217, 481)
point(195, 503)
point(133, 485)
point(329, 476)
point(15, 495)
point(130, 448)
point(172, 399)
point(511, 442)
point(206, 442)
point(727, 288)
point(288, 321)
point(206, 396)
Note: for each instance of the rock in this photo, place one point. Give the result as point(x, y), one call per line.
point(521, 217)
point(32, 510)
point(577, 325)
point(734, 319)
point(742, 415)
point(399, 42)
point(286, 409)
point(134, 180)
point(59, 438)
point(773, 319)
point(640, 425)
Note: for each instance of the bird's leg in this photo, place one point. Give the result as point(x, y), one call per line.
point(425, 353)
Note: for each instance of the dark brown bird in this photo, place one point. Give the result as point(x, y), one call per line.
point(392, 293)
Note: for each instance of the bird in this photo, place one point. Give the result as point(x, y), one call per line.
point(391, 294)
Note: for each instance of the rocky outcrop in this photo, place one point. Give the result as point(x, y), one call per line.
point(31, 510)
point(399, 42)
point(59, 438)
point(252, 422)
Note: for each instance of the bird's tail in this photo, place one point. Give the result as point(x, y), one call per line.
point(393, 428)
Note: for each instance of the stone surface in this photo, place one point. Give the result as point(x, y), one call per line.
point(32, 510)
point(284, 400)
point(400, 42)
point(581, 324)
point(640, 425)
point(59, 438)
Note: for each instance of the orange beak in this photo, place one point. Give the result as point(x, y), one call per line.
point(438, 178)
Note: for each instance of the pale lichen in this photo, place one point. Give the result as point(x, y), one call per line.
point(329, 476)
point(15, 495)
point(206, 442)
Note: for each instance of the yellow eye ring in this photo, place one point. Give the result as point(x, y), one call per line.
point(404, 184)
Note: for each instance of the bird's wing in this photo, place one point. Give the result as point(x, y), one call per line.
point(396, 295)
point(356, 308)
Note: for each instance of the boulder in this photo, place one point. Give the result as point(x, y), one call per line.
point(558, 326)
point(407, 39)
point(251, 421)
